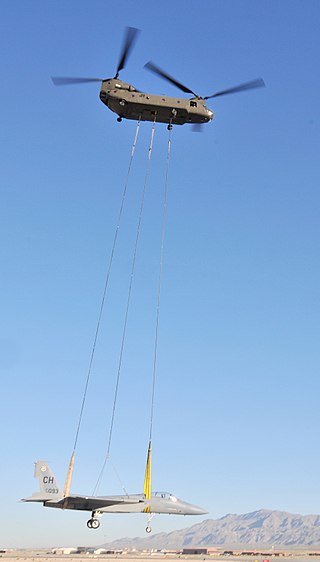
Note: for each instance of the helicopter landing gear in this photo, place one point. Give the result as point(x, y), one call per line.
point(119, 119)
point(174, 114)
point(94, 522)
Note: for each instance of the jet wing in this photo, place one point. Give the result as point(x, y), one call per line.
point(92, 503)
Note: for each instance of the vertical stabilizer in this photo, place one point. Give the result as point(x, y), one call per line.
point(147, 487)
point(49, 485)
point(67, 485)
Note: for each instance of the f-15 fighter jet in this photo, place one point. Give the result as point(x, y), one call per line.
point(52, 495)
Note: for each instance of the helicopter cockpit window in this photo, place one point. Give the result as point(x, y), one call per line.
point(193, 104)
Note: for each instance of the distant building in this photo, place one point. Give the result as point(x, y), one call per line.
point(106, 551)
point(65, 550)
point(194, 551)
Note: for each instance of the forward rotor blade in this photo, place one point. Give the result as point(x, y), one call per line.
point(130, 38)
point(150, 66)
point(66, 80)
point(258, 83)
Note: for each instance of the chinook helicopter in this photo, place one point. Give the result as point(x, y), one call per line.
point(129, 103)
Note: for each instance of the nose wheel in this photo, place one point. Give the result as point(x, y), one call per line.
point(150, 516)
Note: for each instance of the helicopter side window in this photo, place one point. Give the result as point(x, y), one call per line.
point(193, 104)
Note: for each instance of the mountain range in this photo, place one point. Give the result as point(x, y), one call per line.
point(259, 528)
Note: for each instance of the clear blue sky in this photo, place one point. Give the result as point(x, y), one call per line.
point(236, 411)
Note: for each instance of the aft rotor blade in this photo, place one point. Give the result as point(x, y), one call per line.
point(66, 80)
point(151, 66)
point(130, 38)
point(258, 83)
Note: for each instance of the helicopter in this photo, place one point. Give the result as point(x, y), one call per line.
point(129, 103)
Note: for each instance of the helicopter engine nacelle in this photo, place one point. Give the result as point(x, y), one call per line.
point(113, 86)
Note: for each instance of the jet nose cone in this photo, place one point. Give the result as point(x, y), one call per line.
point(198, 510)
point(191, 509)
point(187, 508)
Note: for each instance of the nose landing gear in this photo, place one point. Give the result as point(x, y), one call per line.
point(150, 516)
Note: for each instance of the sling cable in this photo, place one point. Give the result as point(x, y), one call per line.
point(68, 481)
point(145, 185)
point(147, 488)
point(148, 471)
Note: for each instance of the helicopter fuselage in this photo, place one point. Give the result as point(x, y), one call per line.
point(128, 103)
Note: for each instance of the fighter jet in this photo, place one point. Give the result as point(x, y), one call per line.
point(52, 495)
